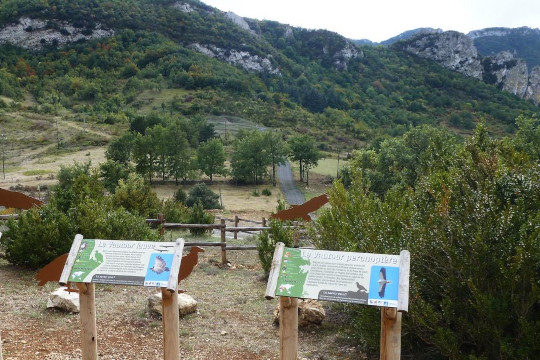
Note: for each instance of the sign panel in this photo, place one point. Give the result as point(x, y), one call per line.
point(361, 278)
point(120, 262)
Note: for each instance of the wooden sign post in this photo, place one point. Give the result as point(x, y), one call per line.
point(122, 262)
point(380, 280)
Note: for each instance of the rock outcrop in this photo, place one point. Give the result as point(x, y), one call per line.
point(510, 74)
point(451, 49)
point(34, 34)
point(244, 59)
point(457, 52)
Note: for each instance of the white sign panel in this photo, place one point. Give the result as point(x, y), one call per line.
point(362, 278)
point(120, 262)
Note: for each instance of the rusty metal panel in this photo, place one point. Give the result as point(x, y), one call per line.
point(17, 200)
point(302, 211)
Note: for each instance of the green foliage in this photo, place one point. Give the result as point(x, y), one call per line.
point(38, 236)
point(268, 239)
point(175, 211)
point(304, 150)
point(266, 192)
point(136, 196)
point(180, 195)
point(202, 194)
point(211, 158)
point(199, 216)
point(98, 219)
point(112, 172)
point(470, 226)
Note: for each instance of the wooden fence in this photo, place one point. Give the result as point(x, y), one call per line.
point(223, 229)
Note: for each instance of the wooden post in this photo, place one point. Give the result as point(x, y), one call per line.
point(171, 325)
point(1, 356)
point(390, 334)
point(236, 220)
point(288, 328)
point(161, 222)
point(264, 221)
point(223, 243)
point(87, 304)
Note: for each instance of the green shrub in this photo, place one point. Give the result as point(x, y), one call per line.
point(255, 193)
point(176, 212)
point(136, 196)
point(99, 220)
point(203, 194)
point(266, 192)
point(180, 195)
point(269, 238)
point(38, 237)
point(199, 216)
point(472, 232)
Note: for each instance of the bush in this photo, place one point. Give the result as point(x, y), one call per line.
point(174, 211)
point(255, 193)
point(180, 195)
point(472, 232)
point(266, 192)
point(38, 237)
point(267, 242)
point(199, 216)
point(136, 196)
point(203, 194)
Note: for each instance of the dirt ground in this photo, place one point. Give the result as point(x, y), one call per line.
point(233, 321)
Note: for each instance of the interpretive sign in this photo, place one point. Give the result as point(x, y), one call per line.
point(362, 278)
point(120, 262)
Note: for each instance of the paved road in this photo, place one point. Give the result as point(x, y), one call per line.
point(292, 195)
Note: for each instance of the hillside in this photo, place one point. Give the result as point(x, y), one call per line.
point(104, 62)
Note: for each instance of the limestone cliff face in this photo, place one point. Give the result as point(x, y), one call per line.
point(511, 74)
point(457, 52)
point(33, 34)
point(451, 49)
point(533, 90)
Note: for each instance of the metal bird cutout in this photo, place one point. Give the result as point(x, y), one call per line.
point(382, 282)
point(302, 211)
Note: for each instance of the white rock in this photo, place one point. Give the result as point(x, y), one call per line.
point(309, 312)
point(186, 304)
point(61, 299)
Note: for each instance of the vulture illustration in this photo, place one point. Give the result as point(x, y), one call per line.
point(382, 281)
point(159, 265)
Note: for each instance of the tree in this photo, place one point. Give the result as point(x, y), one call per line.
point(120, 149)
point(179, 155)
point(250, 158)
point(304, 150)
point(159, 140)
point(277, 151)
point(144, 155)
point(211, 158)
point(202, 194)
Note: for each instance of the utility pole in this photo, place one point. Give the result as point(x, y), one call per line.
point(57, 135)
point(337, 171)
point(3, 155)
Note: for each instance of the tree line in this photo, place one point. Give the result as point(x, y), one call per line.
point(181, 149)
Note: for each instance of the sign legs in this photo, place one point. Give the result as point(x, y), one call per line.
point(288, 328)
point(390, 334)
point(87, 301)
point(171, 325)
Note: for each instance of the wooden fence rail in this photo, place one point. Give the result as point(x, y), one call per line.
point(223, 228)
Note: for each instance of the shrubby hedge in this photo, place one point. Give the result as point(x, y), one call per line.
point(472, 229)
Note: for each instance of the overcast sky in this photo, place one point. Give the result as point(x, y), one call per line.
point(379, 20)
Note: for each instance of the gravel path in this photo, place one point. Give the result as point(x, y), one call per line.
point(292, 194)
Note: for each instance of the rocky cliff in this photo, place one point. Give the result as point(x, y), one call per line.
point(457, 52)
